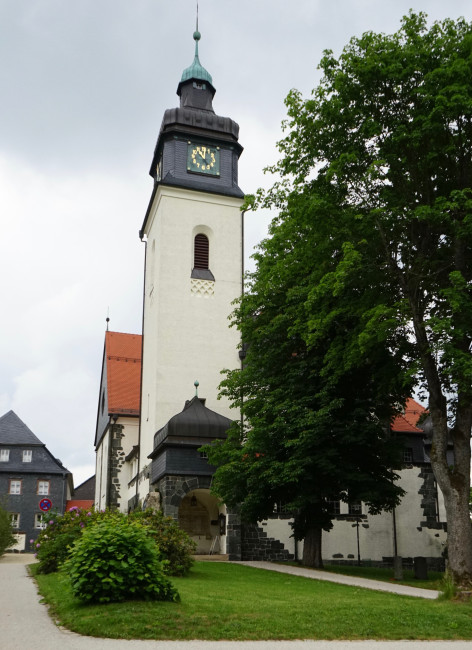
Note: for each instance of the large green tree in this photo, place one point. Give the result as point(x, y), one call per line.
point(376, 186)
point(315, 425)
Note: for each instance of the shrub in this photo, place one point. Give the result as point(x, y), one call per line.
point(174, 544)
point(116, 561)
point(6, 535)
point(55, 541)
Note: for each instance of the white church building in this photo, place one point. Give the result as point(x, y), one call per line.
point(158, 401)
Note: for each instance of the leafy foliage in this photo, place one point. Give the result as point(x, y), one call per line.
point(117, 560)
point(174, 544)
point(55, 542)
point(7, 539)
point(364, 287)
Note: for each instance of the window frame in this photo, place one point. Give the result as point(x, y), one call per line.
point(355, 508)
point(14, 519)
point(20, 486)
point(39, 491)
point(27, 456)
point(4, 455)
point(39, 522)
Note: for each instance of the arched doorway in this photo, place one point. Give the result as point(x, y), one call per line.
point(198, 516)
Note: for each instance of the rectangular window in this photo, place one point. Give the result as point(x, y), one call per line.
point(334, 506)
point(27, 455)
point(38, 520)
point(355, 508)
point(203, 454)
point(4, 455)
point(15, 487)
point(15, 519)
point(408, 456)
point(43, 488)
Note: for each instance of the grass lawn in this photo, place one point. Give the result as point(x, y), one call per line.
point(234, 602)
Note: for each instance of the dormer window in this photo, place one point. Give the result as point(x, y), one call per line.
point(27, 455)
point(4, 455)
point(199, 86)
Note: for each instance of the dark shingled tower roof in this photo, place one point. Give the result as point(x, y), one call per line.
point(195, 421)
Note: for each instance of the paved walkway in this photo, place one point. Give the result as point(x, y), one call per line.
point(377, 585)
point(24, 623)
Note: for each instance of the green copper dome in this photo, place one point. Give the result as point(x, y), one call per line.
point(196, 70)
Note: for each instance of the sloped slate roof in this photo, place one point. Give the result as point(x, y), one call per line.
point(14, 431)
point(123, 359)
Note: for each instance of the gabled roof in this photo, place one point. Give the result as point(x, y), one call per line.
point(85, 490)
point(123, 362)
point(15, 432)
point(406, 422)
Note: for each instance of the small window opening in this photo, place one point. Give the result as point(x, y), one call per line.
point(201, 252)
point(201, 258)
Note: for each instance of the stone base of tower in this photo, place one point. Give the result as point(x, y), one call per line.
point(215, 529)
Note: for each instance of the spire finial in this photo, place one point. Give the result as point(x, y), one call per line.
point(108, 317)
point(196, 384)
point(197, 15)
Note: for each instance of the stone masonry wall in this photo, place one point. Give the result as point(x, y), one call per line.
point(117, 459)
point(256, 545)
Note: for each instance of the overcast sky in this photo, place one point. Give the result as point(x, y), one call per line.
point(83, 87)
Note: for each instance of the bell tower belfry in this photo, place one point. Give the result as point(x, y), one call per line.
point(194, 259)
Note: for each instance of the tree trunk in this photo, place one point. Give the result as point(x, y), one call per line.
point(312, 548)
point(454, 480)
point(455, 485)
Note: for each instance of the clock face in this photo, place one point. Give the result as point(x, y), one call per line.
point(203, 159)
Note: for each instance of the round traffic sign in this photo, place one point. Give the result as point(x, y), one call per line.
point(45, 505)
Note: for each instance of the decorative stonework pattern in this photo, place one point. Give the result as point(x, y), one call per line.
point(256, 545)
point(117, 459)
point(202, 288)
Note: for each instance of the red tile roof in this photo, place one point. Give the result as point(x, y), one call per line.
point(82, 504)
point(406, 421)
point(123, 359)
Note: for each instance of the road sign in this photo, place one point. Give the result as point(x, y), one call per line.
point(45, 505)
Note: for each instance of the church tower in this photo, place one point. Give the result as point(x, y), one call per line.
point(194, 261)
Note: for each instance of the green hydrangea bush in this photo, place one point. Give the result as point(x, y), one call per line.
point(55, 542)
point(117, 560)
point(174, 544)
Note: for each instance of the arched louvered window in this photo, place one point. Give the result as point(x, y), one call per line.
point(201, 252)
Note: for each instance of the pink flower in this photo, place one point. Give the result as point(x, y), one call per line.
point(89, 514)
point(31, 541)
point(51, 522)
point(38, 545)
point(82, 524)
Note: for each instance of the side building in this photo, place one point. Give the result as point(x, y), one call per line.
point(32, 481)
point(116, 434)
point(415, 528)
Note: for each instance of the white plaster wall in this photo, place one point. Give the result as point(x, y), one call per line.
point(101, 473)
point(376, 535)
point(187, 338)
